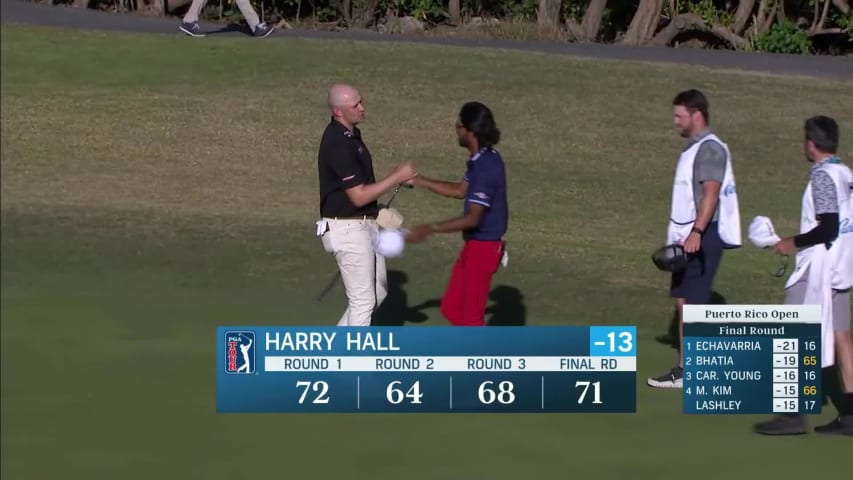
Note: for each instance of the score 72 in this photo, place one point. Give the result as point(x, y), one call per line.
point(319, 385)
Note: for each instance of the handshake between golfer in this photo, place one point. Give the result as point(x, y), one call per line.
point(359, 244)
point(482, 187)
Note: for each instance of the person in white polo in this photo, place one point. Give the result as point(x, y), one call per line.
point(824, 269)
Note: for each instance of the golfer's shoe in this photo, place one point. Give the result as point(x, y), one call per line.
point(262, 30)
point(839, 426)
point(786, 424)
point(192, 29)
point(671, 379)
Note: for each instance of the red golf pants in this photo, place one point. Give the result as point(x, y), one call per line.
point(464, 301)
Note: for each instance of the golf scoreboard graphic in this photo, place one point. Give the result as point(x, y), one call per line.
point(738, 359)
point(748, 359)
point(426, 369)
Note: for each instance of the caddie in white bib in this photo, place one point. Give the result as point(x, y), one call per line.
point(704, 216)
point(823, 274)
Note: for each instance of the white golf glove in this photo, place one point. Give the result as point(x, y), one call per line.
point(389, 218)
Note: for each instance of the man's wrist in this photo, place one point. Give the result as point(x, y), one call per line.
point(421, 180)
point(700, 231)
point(798, 241)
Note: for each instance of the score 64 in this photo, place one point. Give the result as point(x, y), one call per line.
point(612, 341)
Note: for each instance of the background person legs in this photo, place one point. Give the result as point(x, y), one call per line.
point(194, 10)
point(249, 14)
point(190, 26)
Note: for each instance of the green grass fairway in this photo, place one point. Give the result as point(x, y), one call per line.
point(154, 187)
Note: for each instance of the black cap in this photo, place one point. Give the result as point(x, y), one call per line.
point(670, 258)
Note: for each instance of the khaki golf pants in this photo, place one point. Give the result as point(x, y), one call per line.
point(245, 7)
point(362, 269)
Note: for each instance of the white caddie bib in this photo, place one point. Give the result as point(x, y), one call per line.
point(841, 249)
point(828, 268)
point(683, 207)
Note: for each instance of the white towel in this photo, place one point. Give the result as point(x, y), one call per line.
point(819, 292)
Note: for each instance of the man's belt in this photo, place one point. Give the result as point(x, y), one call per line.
point(359, 217)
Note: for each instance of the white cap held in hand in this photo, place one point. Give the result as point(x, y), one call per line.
point(761, 233)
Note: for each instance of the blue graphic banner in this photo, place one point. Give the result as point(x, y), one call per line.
point(426, 369)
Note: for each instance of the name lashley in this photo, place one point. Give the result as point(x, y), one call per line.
point(718, 405)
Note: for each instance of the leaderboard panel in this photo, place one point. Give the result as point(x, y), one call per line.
point(426, 369)
point(752, 359)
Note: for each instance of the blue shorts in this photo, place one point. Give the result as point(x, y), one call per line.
point(694, 283)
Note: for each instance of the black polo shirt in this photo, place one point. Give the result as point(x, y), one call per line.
point(343, 162)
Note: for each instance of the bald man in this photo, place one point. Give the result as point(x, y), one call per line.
point(348, 205)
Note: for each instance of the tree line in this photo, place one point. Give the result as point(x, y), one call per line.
point(777, 26)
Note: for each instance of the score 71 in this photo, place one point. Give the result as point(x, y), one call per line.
point(612, 341)
point(596, 391)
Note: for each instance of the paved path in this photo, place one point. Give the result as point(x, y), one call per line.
point(837, 68)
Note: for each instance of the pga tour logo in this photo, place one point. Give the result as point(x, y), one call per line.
point(240, 352)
